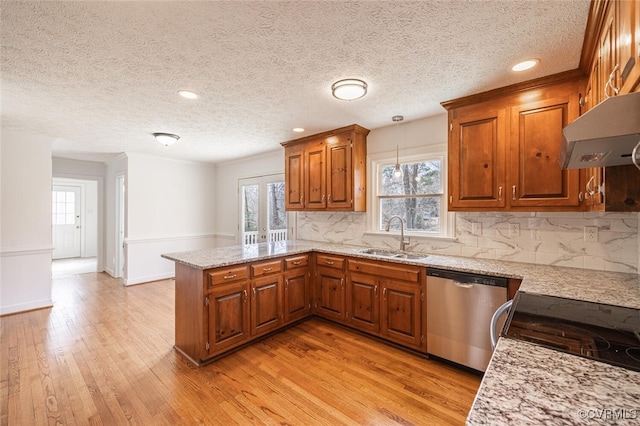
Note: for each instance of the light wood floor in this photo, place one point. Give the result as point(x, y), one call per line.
point(103, 355)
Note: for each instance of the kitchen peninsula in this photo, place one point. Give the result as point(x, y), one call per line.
point(523, 382)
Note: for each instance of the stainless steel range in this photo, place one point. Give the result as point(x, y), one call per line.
point(602, 332)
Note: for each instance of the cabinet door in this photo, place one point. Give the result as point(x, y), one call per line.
point(315, 177)
point(266, 310)
point(339, 173)
point(629, 44)
point(228, 316)
point(535, 176)
point(297, 295)
point(401, 313)
point(607, 53)
point(477, 160)
point(330, 293)
point(294, 178)
point(363, 307)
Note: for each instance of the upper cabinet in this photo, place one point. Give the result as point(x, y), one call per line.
point(611, 58)
point(504, 147)
point(327, 171)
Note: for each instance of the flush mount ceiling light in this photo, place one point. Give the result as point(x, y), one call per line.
point(525, 65)
point(349, 89)
point(298, 129)
point(166, 139)
point(188, 94)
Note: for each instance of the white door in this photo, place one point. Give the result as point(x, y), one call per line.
point(65, 208)
point(262, 214)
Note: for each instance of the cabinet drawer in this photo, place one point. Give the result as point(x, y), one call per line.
point(387, 270)
point(330, 261)
point(296, 262)
point(266, 268)
point(226, 275)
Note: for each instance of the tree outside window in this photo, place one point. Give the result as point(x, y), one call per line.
point(416, 197)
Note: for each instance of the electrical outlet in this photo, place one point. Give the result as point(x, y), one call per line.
point(514, 229)
point(591, 233)
point(476, 228)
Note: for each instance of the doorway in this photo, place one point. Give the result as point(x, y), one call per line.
point(262, 211)
point(74, 225)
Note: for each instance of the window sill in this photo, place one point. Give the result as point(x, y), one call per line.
point(411, 235)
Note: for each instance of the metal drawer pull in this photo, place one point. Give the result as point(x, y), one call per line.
point(269, 269)
point(297, 262)
point(513, 192)
point(500, 193)
point(254, 294)
point(230, 276)
point(244, 293)
point(328, 262)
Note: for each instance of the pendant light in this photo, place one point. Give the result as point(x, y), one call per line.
point(397, 171)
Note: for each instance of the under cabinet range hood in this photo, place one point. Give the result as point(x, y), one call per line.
point(606, 135)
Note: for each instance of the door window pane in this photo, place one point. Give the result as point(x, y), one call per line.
point(63, 208)
point(277, 216)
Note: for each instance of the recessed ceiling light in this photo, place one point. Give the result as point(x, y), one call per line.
point(188, 94)
point(298, 129)
point(525, 65)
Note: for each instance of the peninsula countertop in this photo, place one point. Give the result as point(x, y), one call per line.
point(524, 383)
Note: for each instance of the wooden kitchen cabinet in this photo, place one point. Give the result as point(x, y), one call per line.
point(504, 147)
point(387, 299)
point(229, 316)
point(327, 171)
point(330, 287)
point(363, 306)
point(297, 288)
point(266, 306)
point(611, 56)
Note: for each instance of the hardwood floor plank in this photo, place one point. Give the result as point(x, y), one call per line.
point(103, 355)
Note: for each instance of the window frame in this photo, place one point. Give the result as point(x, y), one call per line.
point(408, 156)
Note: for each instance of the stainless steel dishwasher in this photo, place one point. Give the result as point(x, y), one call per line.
point(459, 310)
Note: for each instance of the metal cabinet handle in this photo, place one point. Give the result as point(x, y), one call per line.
point(302, 200)
point(590, 192)
point(230, 276)
point(341, 283)
point(286, 284)
point(297, 262)
point(269, 269)
point(244, 294)
point(328, 262)
point(254, 294)
point(500, 193)
point(580, 196)
point(384, 293)
point(322, 200)
point(609, 84)
point(329, 197)
point(513, 192)
point(375, 291)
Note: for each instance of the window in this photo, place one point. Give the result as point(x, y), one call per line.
point(63, 208)
point(417, 196)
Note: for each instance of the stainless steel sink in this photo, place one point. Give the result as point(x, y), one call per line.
point(393, 254)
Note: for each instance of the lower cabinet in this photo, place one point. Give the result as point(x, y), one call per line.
point(228, 312)
point(297, 289)
point(330, 289)
point(388, 300)
point(220, 309)
point(266, 307)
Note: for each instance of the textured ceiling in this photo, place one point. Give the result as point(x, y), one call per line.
point(100, 77)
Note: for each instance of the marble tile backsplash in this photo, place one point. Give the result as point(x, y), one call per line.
point(545, 238)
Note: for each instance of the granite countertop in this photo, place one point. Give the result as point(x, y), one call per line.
point(524, 383)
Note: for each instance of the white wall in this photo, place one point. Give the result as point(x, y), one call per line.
point(170, 208)
point(25, 222)
point(226, 190)
point(116, 166)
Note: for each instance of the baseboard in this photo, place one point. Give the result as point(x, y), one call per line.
point(148, 278)
point(25, 307)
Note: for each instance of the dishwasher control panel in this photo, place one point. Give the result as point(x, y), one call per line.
point(468, 278)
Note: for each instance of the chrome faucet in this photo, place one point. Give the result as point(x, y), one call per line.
point(403, 243)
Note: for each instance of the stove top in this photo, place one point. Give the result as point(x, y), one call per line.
point(598, 331)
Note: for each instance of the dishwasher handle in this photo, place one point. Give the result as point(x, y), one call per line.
point(463, 285)
point(494, 321)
